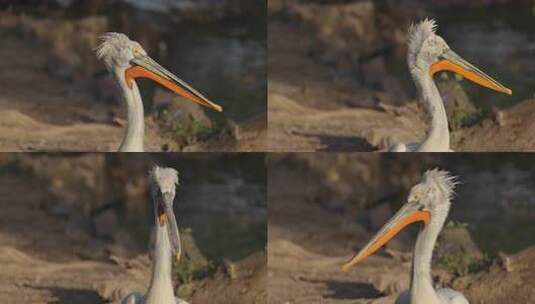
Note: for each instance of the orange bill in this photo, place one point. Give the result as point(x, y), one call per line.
point(161, 215)
point(147, 68)
point(404, 217)
point(454, 63)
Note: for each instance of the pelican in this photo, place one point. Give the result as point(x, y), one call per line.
point(428, 54)
point(163, 183)
point(126, 60)
point(428, 202)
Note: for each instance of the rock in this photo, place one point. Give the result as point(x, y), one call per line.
point(75, 181)
point(498, 117)
point(68, 42)
point(105, 223)
point(379, 215)
point(231, 269)
point(244, 290)
point(59, 210)
point(135, 278)
point(505, 262)
point(345, 32)
point(391, 282)
point(497, 285)
point(106, 90)
point(361, 97)
point(455, 240)
point(373, 71)
point(186, 290)
point(248, 129)
point(111, 292)
point(517, 134)
point(95, 250)
point(391, 299)
point(396, 94)
point(244, 268)
point(124, 243)
point(399, 255)
point(63, 66)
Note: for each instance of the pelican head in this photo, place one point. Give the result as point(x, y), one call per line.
point(163, 183)
point(427, 200)
point(429, 53)
point(127, 60)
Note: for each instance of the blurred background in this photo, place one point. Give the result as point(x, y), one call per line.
point(354, 55)
point(52, 78)
point(325, 206)
point(75, 228)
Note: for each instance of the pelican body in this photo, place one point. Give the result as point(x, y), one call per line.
point(163, 183)
point(428, 202)
point(126, 60)
point(428, 54)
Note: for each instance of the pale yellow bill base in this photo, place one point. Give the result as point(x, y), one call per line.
point(145, 67)
point(407, 215)
point(450, 61)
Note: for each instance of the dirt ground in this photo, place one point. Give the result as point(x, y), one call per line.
point(309, 240)
point(40, 255)
point(314, 106)
point(49, 255)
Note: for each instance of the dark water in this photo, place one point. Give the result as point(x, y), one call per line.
point(499, 40)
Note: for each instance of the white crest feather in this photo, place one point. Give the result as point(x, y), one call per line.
point(443, 179)
point(418, 33)
point(111, 45)
point(164, 178)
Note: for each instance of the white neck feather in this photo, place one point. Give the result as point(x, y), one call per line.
point(135, 129)
point(438, 136)
point(421, 289)
point(161, 285)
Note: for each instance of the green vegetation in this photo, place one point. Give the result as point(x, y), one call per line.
point(184, 132)
point(462, 263)
point(188, 270)
point(460, 119)
point(456, 224)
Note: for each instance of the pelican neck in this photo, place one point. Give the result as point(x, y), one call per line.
point(135, 129)
point(421, 285)
point(161, 285)
point(438, 136)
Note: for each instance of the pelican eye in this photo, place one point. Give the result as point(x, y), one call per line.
point(137, 52)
